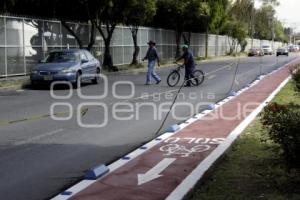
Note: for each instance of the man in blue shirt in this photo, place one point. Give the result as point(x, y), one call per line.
point(189, 64)
point(152, 57)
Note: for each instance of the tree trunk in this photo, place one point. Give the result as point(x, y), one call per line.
point(187, 38)
point(134, 32)
point(72, 33)
point(206, 42)
point(92, 37)
point(178, 41)
point(108, 61)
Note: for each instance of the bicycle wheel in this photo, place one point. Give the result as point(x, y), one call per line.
point(198, 78)
point(173, 78)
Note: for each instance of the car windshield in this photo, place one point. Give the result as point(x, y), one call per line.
point(266, 47)
point(61, 57)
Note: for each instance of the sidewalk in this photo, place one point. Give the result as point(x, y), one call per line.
point(10, 83)
point(167, 170)
point(169, 64)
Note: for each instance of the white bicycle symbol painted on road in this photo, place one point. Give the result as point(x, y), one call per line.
point(176, 149)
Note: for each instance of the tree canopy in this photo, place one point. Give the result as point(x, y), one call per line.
point(238, 19)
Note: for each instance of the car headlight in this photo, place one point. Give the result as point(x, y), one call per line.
point(34, 72)
point(68, 70)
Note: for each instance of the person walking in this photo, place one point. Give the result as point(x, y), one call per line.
point(189, 64)
point(152, 57)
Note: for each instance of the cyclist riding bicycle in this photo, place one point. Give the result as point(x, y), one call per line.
point(189, 64)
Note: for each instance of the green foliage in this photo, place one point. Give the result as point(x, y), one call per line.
point(279, 32)
point(282, 123)
point(296, 77)
point(218, 15)
point(181, 15)
point(243, 10)
point(238, 31)
point(263, 23)
point(139, 12)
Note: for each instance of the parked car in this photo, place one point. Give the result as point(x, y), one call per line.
point(267, 50)
point(255, 52)
point(293, 48)
point(66, 65)
point(282, 51)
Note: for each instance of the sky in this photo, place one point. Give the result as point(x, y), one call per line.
point(288, 12)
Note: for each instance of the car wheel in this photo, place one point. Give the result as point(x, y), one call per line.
point(33, 84)
point(77, 83)
point(96, 79)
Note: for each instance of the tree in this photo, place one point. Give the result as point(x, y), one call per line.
point(279, 32)
point(109, 14)
point(55, 9)
point(263, 23)
point(238, 33)
point(244, 11)
point(137, 13)
point(181, 16)
point(5, 4)
point(218, 15)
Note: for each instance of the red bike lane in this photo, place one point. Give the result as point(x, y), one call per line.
point(157, 172)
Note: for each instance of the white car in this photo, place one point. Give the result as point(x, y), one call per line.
point(293, 48)
point(267, 50)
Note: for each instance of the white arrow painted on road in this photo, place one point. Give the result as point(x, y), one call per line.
point(155, 172)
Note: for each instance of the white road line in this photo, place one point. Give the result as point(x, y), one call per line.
point(211, 77)
point(219, 69)
point(39, 137)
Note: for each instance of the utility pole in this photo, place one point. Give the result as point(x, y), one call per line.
point(252, 23)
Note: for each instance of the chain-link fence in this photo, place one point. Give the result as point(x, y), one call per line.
point(24, 41)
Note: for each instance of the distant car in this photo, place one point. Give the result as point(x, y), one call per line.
point(282, 51)
point(267, 50)
point(66, 65)
point(293, 48)
point(255, 52)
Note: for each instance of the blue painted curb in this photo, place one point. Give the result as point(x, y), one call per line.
point(93, 174)
point(173, 128)
point(66, 193)
point(211, 107)
point(126, 158)
point(232, 94)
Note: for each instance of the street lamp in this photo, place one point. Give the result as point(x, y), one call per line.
point(252, 22)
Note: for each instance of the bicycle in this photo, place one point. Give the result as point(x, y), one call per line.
point(175, 75)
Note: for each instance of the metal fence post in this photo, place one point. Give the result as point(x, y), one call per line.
point(141, 41)
point(60, 35)
point(5, 47)
point(123, 45)
point(24, 49)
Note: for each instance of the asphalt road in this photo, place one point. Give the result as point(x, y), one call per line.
point(39, 156)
